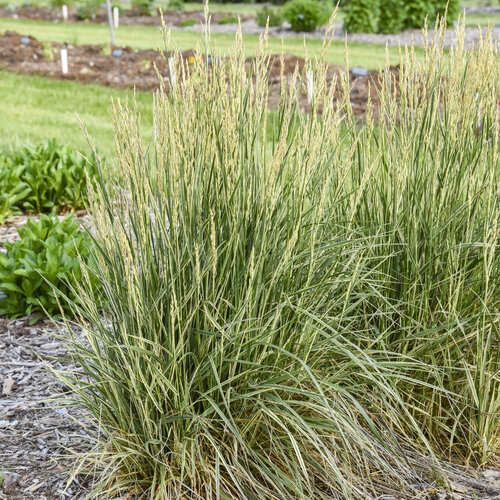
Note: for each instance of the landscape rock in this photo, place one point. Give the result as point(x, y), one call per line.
point(10, 482)
point(492, 475)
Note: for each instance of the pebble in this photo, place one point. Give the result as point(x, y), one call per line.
point(492, 475)
point(358, 71)
point(25, 40)
point(10, 482)
point(117, 53)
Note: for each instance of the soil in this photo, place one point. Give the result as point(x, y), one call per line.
point(127, 17)
point(136, 69)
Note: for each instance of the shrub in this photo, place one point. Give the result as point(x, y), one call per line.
point(188, 22)
point(174, 6)
point(274, 15)
point(417, 11)
point(228, 20)
point(450, 7)
point(88, 9)
point(142, 7)
point(54, 176)
point(392, 16)
point(46, 257)
point(360, 16)
point(306, 15)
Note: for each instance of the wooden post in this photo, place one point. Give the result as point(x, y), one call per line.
point(110, 22)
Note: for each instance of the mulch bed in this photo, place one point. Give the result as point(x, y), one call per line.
point(129, 68)
point(127, 17)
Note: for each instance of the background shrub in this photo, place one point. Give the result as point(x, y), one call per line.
point(392, 16)
point(45, 257)
point(275, 17)
point(228, 20)
point(417, 11)
point(361, 16)
point(88, 9)
point(174, 6)
point(142, 7)
point(306, 15)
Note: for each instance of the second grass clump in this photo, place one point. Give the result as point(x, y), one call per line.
point(300, 309)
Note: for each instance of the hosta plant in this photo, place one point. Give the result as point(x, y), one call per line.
point(45, 259)
point(55, 175)
point(12, 189)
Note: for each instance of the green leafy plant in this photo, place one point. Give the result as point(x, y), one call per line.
point(88, 9)
point(275, 17)
point(45, 257)
point(361, 16)
point(174, 6)
point(54, 177)
point(188, 22)
point(417, 11)
point(142, 7)
point(306, 15)
point(12, 189)
point(392, 16)
point(228, 20)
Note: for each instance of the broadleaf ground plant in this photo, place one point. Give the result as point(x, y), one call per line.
point(47, 257)
point(308, 310)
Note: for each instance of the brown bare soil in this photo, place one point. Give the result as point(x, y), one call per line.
point(136, 69)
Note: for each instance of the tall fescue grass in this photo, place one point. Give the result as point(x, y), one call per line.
point(307, 309)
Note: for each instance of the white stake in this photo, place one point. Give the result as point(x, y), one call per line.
point(116, 17)
point(64, 61)
point(310, 85)
point(65, 12)
point(171, 70)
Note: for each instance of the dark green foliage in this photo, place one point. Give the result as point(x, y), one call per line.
point(55, 176)
point(392, 16)
point(88, 9)
point(187, 22)
point(142, 7)
point(174, 6)
point(274, 15)
point(417, 11)
point(45, 257)
point(228, 20)
point(361, 16)
point(453, 8)
point(42, 179)
point(306, 15)
point(12, 189)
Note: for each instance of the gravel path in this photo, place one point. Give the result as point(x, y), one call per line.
point(405, 38)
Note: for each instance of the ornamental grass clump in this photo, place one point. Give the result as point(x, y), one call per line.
point(306, 308)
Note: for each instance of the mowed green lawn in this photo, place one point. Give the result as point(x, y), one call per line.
point(33, 109)
point(145, 37)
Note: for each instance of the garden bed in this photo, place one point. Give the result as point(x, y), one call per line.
point(135, 69)
point(127, 17)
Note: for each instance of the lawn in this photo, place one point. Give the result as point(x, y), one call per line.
point(143, 37)
point(39, 108)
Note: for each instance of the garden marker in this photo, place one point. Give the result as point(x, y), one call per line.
point(310, 85)
point(64, 61)
point(110, 22)
point(116, 17)
point(65, 12)
point(171, 70)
